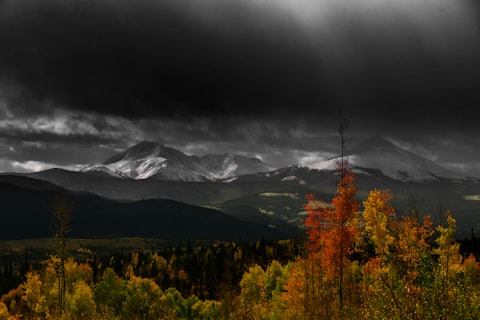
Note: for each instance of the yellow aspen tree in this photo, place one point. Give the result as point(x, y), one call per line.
point(377, 216)
point(254, 296)
point(413, 256)
point(33, 297)
point(448, 250)
point(379, 228)
point(294, 295)
point(4, 314)
point(80, 303)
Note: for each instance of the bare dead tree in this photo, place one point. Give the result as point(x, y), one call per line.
point(341, 129)
point(342, 166)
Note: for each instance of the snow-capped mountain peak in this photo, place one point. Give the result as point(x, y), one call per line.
point(144, 150)
point(153, 160)
point(394, 162)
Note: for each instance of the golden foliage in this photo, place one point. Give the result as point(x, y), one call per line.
point(378, 218)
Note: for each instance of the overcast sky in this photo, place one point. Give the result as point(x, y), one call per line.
point(83, 79)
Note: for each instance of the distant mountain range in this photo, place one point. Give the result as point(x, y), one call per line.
point(151, 160)
point(247, 190)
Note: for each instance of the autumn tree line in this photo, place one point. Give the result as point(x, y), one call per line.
point(195, 281)
point(359, 260)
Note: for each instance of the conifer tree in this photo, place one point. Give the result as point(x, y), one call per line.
point(61, 219)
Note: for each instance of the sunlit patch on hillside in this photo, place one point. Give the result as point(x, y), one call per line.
point(276, 194)
point(472, 197)
point(266, 211)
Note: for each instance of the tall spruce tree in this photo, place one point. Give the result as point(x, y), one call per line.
point(61, 226)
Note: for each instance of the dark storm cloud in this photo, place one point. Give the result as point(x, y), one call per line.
point(65, 127)
point(60, 138)
point(258, 77)
point(184, 59)
point(147, 57)
point(241, 134)
point(278, 143)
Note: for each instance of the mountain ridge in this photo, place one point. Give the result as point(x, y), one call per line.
point(151, 160)
point(392, 161)
point(94, 216)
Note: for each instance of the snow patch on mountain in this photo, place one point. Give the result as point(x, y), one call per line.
point(150, 167)
point(294, 179)
point(104, 170)
point(226, 170)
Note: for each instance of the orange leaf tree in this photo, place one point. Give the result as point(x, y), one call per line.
point(332, 229)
